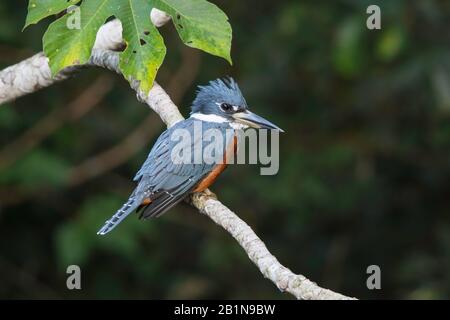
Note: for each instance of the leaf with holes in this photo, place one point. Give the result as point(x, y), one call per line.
point(201, 25)
point(69, 40)
point(40, 9)
point(145, 49)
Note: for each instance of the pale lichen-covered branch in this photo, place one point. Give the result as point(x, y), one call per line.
point(297, 285)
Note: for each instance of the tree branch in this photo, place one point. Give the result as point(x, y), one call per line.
point(34, 73)
point(297, 285)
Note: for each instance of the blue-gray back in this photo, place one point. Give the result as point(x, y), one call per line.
point(161, 175)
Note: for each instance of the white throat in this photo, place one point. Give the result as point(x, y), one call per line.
point(209, 117)
point(218, 119)
point(238, 126)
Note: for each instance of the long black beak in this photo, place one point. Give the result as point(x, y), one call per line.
point(254, 121)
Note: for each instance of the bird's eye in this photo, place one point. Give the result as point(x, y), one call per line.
point(226, 107)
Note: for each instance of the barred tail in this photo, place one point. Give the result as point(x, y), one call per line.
point(121, 214)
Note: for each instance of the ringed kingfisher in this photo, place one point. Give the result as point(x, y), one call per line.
point(161, 182)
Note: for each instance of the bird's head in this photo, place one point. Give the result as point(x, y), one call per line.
point(222, 101)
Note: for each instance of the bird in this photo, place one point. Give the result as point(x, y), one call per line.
point(163, 182)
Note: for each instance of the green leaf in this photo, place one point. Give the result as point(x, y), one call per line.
point(200, 24)
point(145, 49)
point(66, 46)
point(40, 9)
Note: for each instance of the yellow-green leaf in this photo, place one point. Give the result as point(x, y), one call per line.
point(200, 24)
point(145, 49)
point(69, 42)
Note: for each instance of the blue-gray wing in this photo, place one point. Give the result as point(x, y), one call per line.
point(166, 179)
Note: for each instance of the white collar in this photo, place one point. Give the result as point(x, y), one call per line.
point(209, 117)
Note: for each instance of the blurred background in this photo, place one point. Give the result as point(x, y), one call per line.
point(364, 164)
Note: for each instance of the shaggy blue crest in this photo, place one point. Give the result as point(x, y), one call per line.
point(219, 91)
